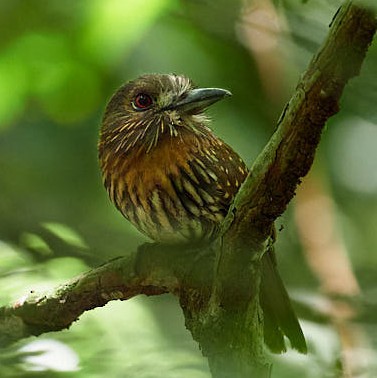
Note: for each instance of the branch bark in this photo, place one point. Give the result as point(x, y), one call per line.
point(271, 185)
point(151, 270)
point(220, 296)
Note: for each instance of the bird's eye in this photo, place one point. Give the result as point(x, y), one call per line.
point(142, 102)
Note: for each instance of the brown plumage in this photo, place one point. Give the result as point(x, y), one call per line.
point(174, 179)
point(163, 167)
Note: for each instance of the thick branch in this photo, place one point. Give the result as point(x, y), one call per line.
point(267, 191)
point(151, 270)
point(289, 154)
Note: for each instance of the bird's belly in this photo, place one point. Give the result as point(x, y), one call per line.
point(164, 197)
point(184, 230)
point(168, 225)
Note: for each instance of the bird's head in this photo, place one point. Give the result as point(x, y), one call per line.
point(144, 110)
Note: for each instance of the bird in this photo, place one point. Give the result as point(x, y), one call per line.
point(174, 179)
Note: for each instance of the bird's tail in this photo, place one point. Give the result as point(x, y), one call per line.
point(279, 317)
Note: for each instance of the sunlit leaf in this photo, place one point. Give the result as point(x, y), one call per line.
point(49, 354)
point(10, 258)
point(114, 26)
point(65, 233)
point(65, 267)
point(67, 88)
point(35, 242)
point(13, 89)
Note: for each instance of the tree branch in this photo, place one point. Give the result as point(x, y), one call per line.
point(151, 270)
point(235, 302)
point(289, 154)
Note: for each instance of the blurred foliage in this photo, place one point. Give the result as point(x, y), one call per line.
point(59, 63)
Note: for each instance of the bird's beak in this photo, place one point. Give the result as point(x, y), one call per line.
point(196, 100)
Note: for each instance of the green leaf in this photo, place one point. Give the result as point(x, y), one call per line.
point(35, 242)
point(66, 234)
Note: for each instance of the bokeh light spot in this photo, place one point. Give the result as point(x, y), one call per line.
point(354, 155)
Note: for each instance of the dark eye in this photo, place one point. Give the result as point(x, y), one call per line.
point(142, 101)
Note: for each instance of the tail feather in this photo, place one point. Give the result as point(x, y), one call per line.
point(279, 316)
